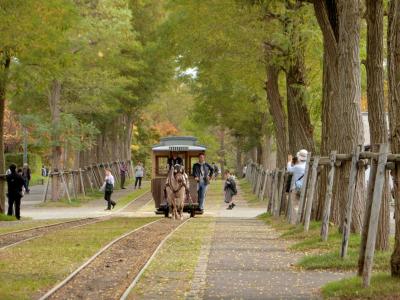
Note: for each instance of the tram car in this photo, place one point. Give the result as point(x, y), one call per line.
point(188, 150)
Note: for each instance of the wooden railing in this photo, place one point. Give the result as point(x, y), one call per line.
point(270, 185)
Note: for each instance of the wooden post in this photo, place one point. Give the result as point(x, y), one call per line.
point(81, 181)
point(289, 208)
point(310, 193)
point(65, 186)
point(303, 189)
point(264, 185)
point(281, 194)
point(73, 185)
point(47, 187)
point(350, 200)
point(89, 180)
point(277, 194)
point(271, 200)
point(375, 208)
point(283, 208)
point(328, 197)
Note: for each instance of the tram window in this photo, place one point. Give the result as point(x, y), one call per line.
point(162, 165)
point(193, 160)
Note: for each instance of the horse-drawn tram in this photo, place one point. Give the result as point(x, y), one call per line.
point(172, 162)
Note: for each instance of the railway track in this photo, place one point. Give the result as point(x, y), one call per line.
point(113, 271)
point(14, 238)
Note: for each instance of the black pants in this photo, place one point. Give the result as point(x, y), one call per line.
point(107, 197)
point(14, 201)
point(138, 180)
point(122, 180)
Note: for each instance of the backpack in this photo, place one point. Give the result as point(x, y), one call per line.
point(299, 183)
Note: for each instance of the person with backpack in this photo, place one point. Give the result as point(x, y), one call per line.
point(297, 171)
point(108, 188)
point(230, 189)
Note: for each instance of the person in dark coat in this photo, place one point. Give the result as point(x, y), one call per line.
point(15, 183)
point(202, 173)
point(173, 160)
point(26, 175)
point(123, 171)
point(230, 189)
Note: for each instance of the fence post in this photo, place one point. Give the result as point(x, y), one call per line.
point(47, 187)
point(277, 194)
point(264, 185)
point(82, 184)
point(328, 197)
point(270, 206)
point(303, 189)
point(65, 186)
point(310, 193)
point(375, 208)
point(350, 200)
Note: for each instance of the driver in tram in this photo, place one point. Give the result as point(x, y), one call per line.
point(174, 159)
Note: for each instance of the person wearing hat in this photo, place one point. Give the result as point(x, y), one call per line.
point(298, 173)
point(15, 183)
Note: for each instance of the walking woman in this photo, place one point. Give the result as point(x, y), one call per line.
point(139, 173)
point(230, 189)
point(108, 188)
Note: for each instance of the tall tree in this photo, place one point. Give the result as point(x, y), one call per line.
point(394, 117)
point(377, 123)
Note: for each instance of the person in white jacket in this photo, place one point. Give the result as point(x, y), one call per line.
point(108, 188)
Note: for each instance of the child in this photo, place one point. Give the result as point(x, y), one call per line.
point(230, 189)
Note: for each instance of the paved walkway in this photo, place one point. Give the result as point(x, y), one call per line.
point(247, 260)
point(31, 208)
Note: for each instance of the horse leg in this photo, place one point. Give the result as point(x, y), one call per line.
point(175, 210)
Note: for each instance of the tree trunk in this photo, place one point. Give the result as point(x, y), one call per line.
point(300, 129)
point(394, 116)
point(239, 166)
point(349, 126)
point(327, 17)
point(3, 93)
point(56, 151)
point(376, 114)
point(278, 115)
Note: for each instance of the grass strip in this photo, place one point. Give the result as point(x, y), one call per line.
point(383, 286)
point(7, 218)
point(170, 273)
point(30, 269)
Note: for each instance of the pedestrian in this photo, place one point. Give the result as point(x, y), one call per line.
point(15, 184)
point(44, 171)
point(108, 188)
point(26, 175)
point(230, 189)
point(123, 171)
point(297, 171)
point(244, 171)
point(139, 173)
point(215, 170)
point(202, 173)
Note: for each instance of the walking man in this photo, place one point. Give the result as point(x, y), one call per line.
point(202, 173)
point(15, 183)
point(123, 170)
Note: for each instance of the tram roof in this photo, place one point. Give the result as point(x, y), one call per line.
point(178, 143)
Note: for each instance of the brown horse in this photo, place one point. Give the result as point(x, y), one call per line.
point(176, 187)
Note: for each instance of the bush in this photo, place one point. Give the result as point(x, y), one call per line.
point(34, 161)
